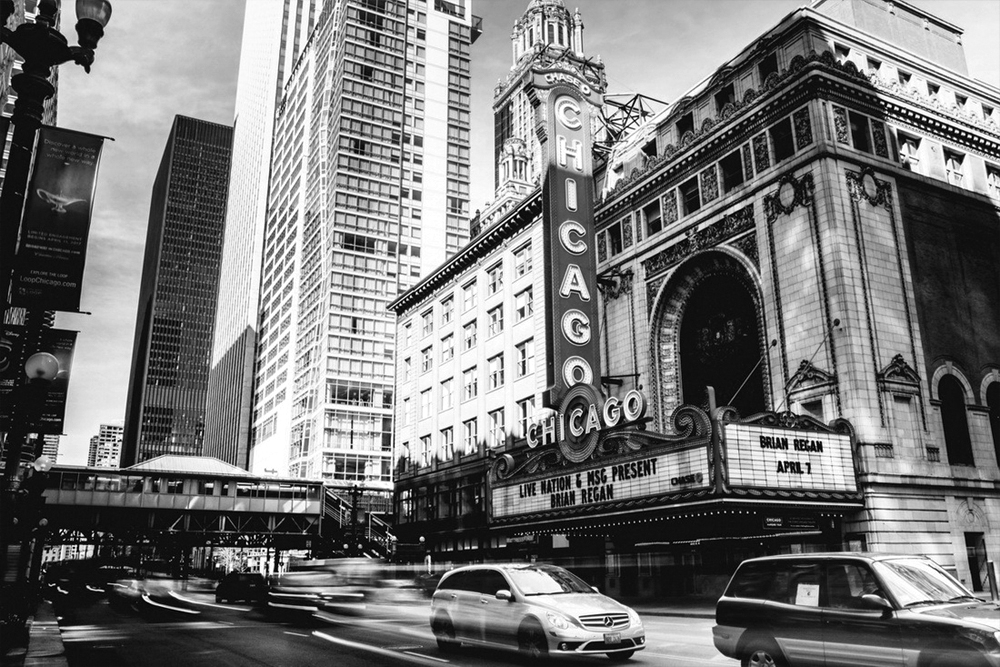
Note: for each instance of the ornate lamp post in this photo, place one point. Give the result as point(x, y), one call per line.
point(42, 47)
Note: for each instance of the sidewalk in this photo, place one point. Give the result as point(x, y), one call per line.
point(45, 646)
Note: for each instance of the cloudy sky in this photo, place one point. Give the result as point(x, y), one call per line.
point(160, 59)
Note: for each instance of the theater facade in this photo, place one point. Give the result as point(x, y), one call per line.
point(764, 319)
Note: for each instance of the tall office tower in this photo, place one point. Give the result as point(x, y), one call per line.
point(106, 447)
point(369, 190)
point(274, 34)
point(50, 447)
point(545, 38)
point(165, 412)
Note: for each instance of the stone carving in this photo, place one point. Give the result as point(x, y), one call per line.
point(670, 213)
point(627, 232)
point(878, 134)
point(762, 160)
point(803, 128)
point(602, 247)
point(791, 192)
point(748, 246)
point(840, 124)
point(863, 185)
point(709, 185)
point(810, 375)
point(729, 226)
point(747, 163)
point(616, 283)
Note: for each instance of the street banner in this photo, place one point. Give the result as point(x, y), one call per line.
point(39, 403)
point(58, 203)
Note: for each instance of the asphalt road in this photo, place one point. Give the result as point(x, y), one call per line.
point(191, 630)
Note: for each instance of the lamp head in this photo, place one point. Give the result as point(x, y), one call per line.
point(92, 16)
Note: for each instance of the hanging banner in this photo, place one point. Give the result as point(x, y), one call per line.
point(39, 401)
point(58, 203)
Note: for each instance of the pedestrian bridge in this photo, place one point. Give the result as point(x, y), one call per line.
point(198, 501)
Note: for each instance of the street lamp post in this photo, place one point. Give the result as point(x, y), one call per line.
point(41, 47)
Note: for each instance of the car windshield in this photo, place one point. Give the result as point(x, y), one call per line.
point(548, 581)
point(917, 581)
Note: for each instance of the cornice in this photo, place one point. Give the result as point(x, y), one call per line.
point(520, 217)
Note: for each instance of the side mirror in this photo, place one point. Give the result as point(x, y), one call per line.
point(873, 601)
point(505, 595)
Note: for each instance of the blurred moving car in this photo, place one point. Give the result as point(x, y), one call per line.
point(303, 591)
point(126, 593)
point(536, 608)
point(849, 610)
point(235, 586)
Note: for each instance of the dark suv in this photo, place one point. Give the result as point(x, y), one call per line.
point(845, 609)
point(248, 586)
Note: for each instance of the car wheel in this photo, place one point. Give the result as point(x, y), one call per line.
point(444, 633)
point(621, 656)
point(219, 598)
point(763, 653)
point(531, 640)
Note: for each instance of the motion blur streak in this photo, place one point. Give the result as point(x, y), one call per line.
point(408, 657)
point(148, 600)
point(174, 594)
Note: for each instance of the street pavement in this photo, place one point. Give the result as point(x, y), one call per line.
point(46, 646)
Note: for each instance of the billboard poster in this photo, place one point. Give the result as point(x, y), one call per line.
point(58, 203)
point(40, 403)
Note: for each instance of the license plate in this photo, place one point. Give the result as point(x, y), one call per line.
point(612, 638)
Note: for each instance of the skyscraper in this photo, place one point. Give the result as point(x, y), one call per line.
point(165, 412)
point(106, 447)
point(274, 34)
point(369, 191)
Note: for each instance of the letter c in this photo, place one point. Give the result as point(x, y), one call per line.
point(564, 107)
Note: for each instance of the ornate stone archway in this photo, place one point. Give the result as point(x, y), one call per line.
point(671, 303)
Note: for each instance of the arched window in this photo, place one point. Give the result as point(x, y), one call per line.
point(993, 402)
point(720, 345)
point(956, 425)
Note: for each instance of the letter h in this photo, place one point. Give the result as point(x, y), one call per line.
point(575, 149)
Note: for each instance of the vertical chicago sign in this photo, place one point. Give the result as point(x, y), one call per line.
point(573, 350)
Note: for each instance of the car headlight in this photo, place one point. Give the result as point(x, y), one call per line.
point(557, 620)
point(634, 619)
point(996, 638)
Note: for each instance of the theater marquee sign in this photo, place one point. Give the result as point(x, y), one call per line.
point(593, 485)
point(780, 458)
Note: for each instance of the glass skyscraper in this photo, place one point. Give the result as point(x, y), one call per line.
point(165, 411)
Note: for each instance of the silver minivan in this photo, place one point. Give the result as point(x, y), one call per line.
point(535, 608)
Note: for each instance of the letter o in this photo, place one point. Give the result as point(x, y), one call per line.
point(576, 370)
point(634, 405)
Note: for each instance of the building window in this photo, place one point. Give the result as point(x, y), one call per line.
point(471, 436)
point(469, 336)
point(522, 261)
point(954, 421)
point(447, 394)
point(447, 348)
point(768, 66)
point(781, 140)
point(653, 217)
point(993, 403)
point(685, 124)
point(427, 323)
point(404, 416)
point(525, 414)
point(447, 444)
point(725, 96)
point(495, 365)
point(494, 279)
point(731, 167)
point(860, 137)
point(470, 384)
point(993, 180)
point(495, 317)
point(447, 310)
point(407, 368)
point(954, 166)
point(469, 296)
point(614, 233)
point(426, 359)
point(523, 305)
point(426, 407)
point(525, 358)
point(690, 199)
point(497, 436)
point(425, 450)
point(408, 333)
point(909, 152)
